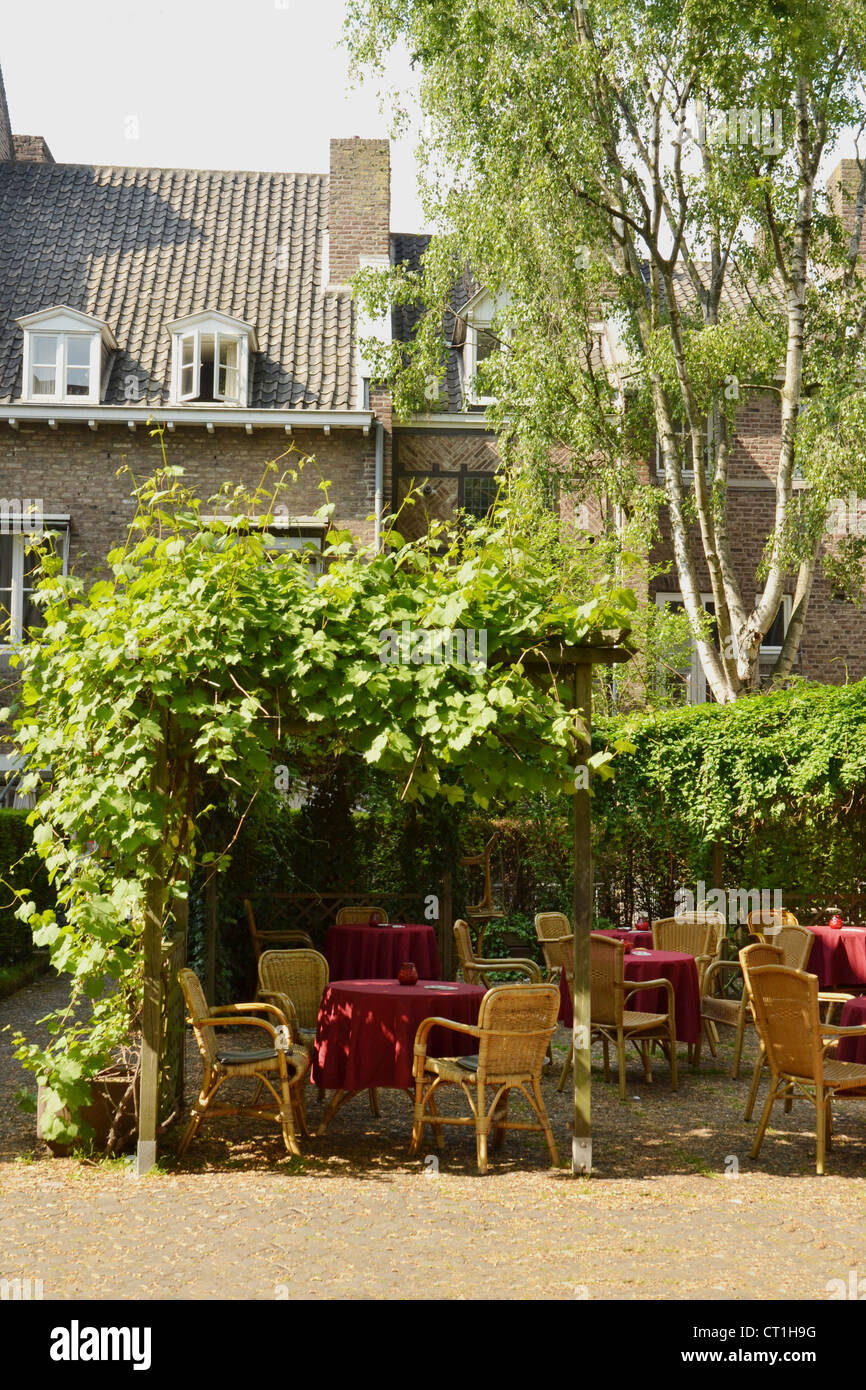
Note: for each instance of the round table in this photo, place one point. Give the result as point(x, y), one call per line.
point(853, 1016)
point(838, 956)
point(676, 966)
point(366, 1030)
point(637, 938)
point(376, 953)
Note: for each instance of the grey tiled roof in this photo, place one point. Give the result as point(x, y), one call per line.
point(140, 247)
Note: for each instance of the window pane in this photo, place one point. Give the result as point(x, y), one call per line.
point(187, 350)
point(479, 493)
point(486, 344)
point(44, 349)
point(776, 636)
point(78, 351)
point(77, 381)
point(43, 382)
point(228, 375)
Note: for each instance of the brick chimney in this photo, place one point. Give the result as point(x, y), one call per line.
point(359, 215)
point(7, 149)
point(32, 149)
point(843, 187)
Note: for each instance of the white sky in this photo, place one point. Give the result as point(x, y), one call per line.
point(212, 84)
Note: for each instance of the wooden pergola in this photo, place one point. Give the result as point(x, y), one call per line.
point(567, 663)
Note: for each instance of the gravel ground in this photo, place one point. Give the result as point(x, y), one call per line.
point(675, 1208)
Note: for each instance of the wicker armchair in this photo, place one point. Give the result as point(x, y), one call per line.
point(736, 1013)
point(263, 940)
point(769, 917)
point(477, 969)
point(515, 1025)
point(358, 916)
point(556, 938)
point(613, 1023)
point(795, 1041)
point(698, 934)
point(791, 947)
point(280, 1062)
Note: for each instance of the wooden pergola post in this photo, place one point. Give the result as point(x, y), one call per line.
point(581, 1143)
point(577, 663)
point(151, 1021)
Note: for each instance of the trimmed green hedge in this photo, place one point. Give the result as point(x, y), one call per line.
point(21, 870)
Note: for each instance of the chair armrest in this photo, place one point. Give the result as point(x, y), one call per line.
point(837, 1031)
point(834, 996)
point(420, 1049)
point(222, 1009)
point(236, 1021)
point(653, 984)
point(529, 967)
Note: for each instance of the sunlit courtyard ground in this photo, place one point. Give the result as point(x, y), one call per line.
point(675, 1209)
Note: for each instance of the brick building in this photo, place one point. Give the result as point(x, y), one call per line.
point(217, 304)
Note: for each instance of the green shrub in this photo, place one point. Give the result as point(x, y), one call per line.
point(21, 872)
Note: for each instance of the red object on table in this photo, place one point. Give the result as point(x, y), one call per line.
point(676, 966)
point(376, 953)
point(633, 938)
point(853, 1016)
point(407, 974)
point(835, 922)
point(366, 1031)
point(838, 956)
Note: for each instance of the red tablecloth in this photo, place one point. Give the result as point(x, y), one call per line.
point(376, 953)
point(366, 1031)
point(676, 966)
point(838, 956)
point(853, 1016)
point(637, 938)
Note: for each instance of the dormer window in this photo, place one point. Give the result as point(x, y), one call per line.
point(65, 354)
point(482, 340)
point(210, 358)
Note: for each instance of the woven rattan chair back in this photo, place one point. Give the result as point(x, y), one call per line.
point(770, 917)
point(559, 955)
point(759, 953)
point(795, 944)
point(516, 1022)
point(465, 953)
point(197, 1007)
point(606, 966)
point(785, 1002)
point(301, 975)
point(551, 924)
point(358, 916)
point(693, 934)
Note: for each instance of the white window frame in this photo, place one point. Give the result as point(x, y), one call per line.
point(688, 473)
point(11, 524)
point(222, 329)
point(697, 679)
point(63, 323)
point(478, 315)
point(302, 533)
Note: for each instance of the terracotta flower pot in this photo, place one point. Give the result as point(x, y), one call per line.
point(108, 1090)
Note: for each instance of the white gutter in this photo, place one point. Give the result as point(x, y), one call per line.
point(231, 417)
point(446, 420)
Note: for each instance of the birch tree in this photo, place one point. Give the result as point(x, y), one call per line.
point(657, 169)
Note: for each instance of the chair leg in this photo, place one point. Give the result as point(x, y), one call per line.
point(605, 1052)
point(500, 1115)
point(673, 1059)
point(645, 1058)
point(820, 1130)
point(481, 1127)
point(712, 1036)
point(544, 1120)
point(738, 1045)
point(756, 1081)
point(620, 1049)
point(374, 1102)
point(437, 1128)
point(765, 1117)
point(199, 1111)
point(287, 1115)
point(566, 1066)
